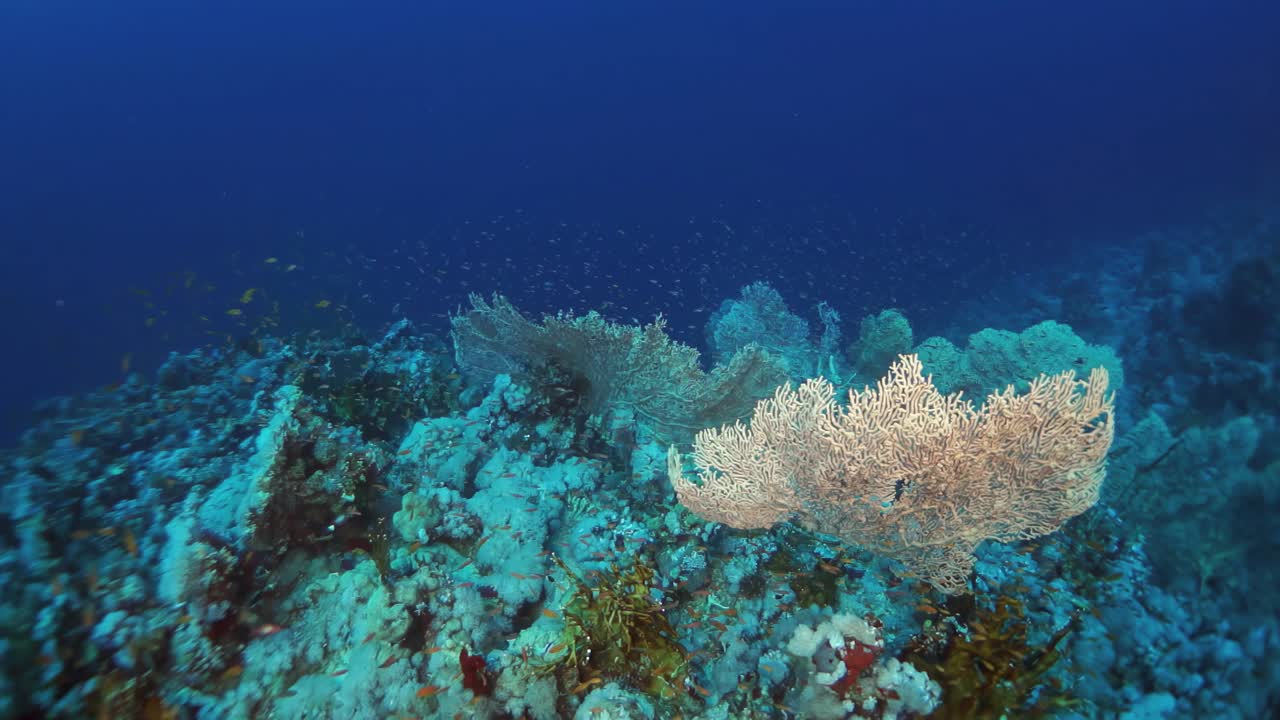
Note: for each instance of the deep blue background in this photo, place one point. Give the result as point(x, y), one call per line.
point(655, 156)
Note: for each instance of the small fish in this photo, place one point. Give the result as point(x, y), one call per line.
point(323, 304)
point(232, 672)
point(433, 650)
point(405, 451)
point(266, 630)
point(130, 542)
point(691, 625)
point(391, 660)
point(519, 576)
point(549, 613)
point(248, 379)
point(339, 673)
point(367, 638)
point(271, 260)
point(556, 648)
point(427, 691)
point(466, 584)
point(584, 685)
point(77, 437)
point(247, 297)
point(701, 690)
point(483, 540)
point(718, 625)
point(235, 312)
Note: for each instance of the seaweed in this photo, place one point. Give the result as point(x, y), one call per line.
point(991, 671)
point(616, 630)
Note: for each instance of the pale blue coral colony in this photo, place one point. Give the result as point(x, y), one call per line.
point(324, 529)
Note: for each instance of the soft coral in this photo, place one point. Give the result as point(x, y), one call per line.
point(475, 675)
point(857, 657)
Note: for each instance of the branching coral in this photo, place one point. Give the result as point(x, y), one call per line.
point(902, 469)
point(639, 368)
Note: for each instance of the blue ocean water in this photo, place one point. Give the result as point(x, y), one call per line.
point(381, 361)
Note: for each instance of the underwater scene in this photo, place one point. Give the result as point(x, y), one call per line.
point(640, 362)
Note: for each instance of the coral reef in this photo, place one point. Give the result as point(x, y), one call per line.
point(331, 525)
